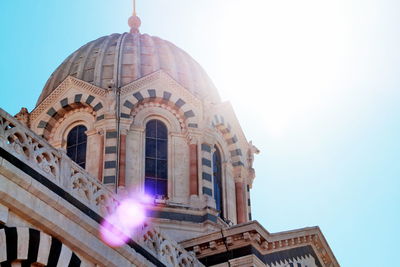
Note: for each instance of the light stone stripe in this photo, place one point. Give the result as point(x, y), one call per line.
point(23, 243)
point(207, 169)
point(3, 246)
point(65, 257)
point(44, 248)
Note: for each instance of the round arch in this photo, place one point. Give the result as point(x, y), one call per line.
point(31, 246)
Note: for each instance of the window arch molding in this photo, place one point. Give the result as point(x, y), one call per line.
point(58, 137)
point(227, 169)
point(149, 113)
point(219, 179)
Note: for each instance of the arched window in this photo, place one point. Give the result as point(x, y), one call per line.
point(217, 180)
point(156, 165)
point(76, 145)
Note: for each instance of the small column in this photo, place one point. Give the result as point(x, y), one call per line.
point(122, 160)
point(94, 153)
point(240, 205)
point(101, 158)
point(193, 163)
point(135, 150)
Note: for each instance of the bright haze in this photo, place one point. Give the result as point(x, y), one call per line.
point(314, 84)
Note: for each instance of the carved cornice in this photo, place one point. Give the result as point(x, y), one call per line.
point(254, 234)
point(64, 85)
point(167, 82)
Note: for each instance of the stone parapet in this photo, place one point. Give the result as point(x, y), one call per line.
point(49, 180)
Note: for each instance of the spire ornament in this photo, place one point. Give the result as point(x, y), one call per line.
point(134, 21)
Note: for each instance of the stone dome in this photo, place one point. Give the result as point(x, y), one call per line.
point(124, 58)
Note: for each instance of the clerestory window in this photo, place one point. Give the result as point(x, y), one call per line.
point(76, 145)
point(217, 180)
point(156, 158)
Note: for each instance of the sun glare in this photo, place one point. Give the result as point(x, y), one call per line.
point(284, 55)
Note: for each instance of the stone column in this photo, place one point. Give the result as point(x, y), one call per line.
point(94, 153)
point(122, 160)
point(193, 163)
point(240, 205)
point(101, 158)
point(134, 158)
point(178, 172)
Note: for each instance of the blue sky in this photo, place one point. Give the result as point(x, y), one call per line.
point(315, 85)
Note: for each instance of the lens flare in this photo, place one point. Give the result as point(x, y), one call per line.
point(118, 227)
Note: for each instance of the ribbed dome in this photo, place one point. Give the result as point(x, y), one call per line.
point(124, 58)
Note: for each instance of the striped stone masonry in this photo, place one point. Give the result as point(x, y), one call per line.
point(110, 157)
point(178, 106)
point(27, 246)
point(206, 164)
point(248, 201)
point(59, 109)
point(230, 138)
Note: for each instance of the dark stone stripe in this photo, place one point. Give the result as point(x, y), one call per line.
point(12, 243)
point(193, 125)
point(179, 103)
point(64, 102)
point(207, 191)
point(216, 119)
point(78, 98)
point(110, 164)
point(75, 261)
point(124, 115)
point(99, 118)
point(34, 240)
point(166, 95)
point(206, 176)
point(270, 259)
point(72, 200)
point(188, 114)
point(109, 179)
point(6, 264)
point(90, 99)
point(206, 162)
point(152, 93)
point(128, 104)
point(236, 152)
point(205, 147)
point(232, 140)
point(110, 135)
point(42, 124)
point(98, 107)
point(54, 254)
point(138, 96)
point(111, 149)
point(51, 112)
point(182, 216)
point(238, 163)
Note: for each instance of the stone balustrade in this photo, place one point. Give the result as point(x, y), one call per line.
point(59, 169)
point(55, 165)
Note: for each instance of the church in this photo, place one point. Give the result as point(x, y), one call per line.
point(129, 115)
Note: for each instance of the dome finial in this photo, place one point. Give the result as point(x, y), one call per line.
point(134, 21)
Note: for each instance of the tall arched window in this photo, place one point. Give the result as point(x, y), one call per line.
point(156, 165)
point(76, 145)
point(217, 180)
